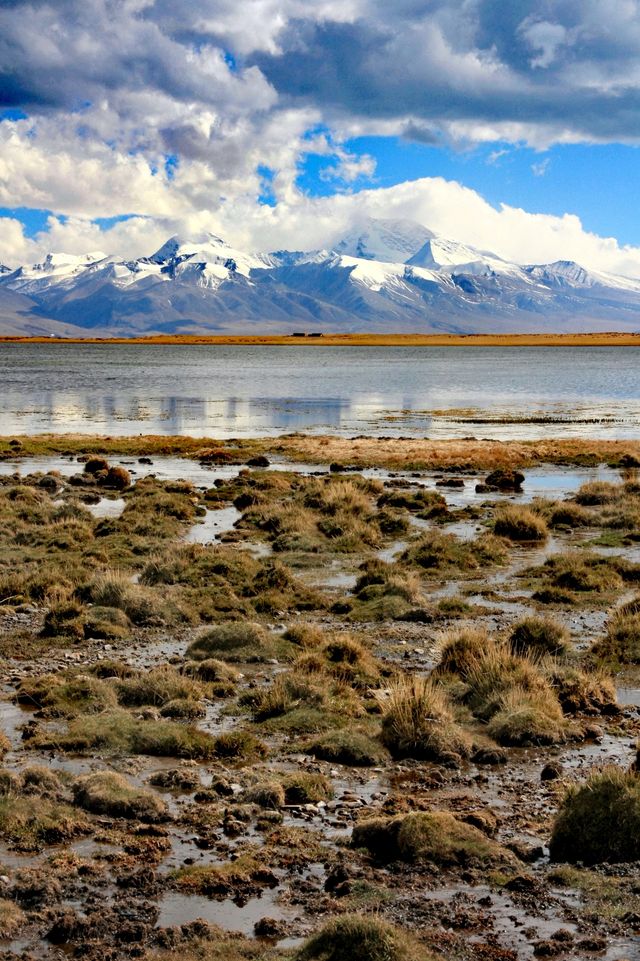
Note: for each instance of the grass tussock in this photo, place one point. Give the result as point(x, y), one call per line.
point(306, 788)
point(360, 938)
point(119, 732)
point(460, 650)
point(66, 695)
point(350, 747)
point(234, 642)
point(599, 820)
point(621, 643)
point(418, 722)
point(438, 553)
point(29, 822)
point(106, 792)
point(539, 637)
point(527, 718)
point(437, 837)
point(520, 523)
point(591, 692)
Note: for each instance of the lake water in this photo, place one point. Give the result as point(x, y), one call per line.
point(227, 391)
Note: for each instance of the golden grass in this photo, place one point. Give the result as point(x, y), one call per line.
point(594, 339)
point(391, 452)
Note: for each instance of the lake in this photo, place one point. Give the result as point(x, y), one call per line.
point(235, 391)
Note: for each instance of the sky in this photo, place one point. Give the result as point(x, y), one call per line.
point(511, 125)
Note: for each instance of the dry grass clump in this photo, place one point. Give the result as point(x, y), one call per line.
point(426, 503)
point(525, 717)
point(35, 781)
point(360, 938)
point(314, 696)
point(516, 699)
point(28, 822)
point(568, 514)
point(599, 820)
point(520, 524)
point(439, 553)
point(116, 478)
point(350, 747)
point(583, 692)
point(596, 493)
point(219, 677)
point(12, 918)
point(436, 837)
point(236, 642)
point(95, 465)
point(287, 692)
point(538, 637)
point(239, 747)
point(306, 636)
point(158, 687)
point(494, 673)
point(337, 495)
point(349, 661)
point(119, 732)
point(418, 722)
point(106, 792)
point(106, 623)
point(384, 592)
point(114, 589)
point(621, 643)
point(288, 528)
point(306, 788)
point(64, 620)
point(66, 695)
point(320, 514)
point(582, 573)
point(460, 650)
point(267, 794)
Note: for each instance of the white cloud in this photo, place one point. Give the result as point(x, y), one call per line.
point(301, 222)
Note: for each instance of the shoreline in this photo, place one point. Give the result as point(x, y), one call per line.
point(599, 339)
point(349, 453)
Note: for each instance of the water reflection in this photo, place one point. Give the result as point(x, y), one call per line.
point(224, 392)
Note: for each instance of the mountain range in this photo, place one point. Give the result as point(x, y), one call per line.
point(384, 276)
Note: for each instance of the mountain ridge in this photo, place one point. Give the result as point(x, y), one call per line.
point(383, 275)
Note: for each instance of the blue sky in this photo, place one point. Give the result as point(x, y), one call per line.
point(509, 124)
point(600, 182)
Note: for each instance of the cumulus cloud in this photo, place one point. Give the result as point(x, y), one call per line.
point(167, 112)
point(303, 222)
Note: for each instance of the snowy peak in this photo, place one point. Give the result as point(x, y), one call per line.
point(55, 269)
point(562, 273)
point(386, 275)
point(439, 252)
point(206, 262)
point(180, 248)
point(389, 241)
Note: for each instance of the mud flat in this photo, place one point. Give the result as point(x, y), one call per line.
point(304, 697)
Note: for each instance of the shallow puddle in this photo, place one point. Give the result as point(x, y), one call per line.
point(212, 525)
point(177, 908)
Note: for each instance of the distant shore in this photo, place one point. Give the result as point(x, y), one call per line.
point(602, 339)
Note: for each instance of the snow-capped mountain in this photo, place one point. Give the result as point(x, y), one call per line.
point(385, 275)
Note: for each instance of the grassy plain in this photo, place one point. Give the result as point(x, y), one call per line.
point(594, 339)
point(394, 453)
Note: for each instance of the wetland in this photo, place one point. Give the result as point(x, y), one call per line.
point(316, 697)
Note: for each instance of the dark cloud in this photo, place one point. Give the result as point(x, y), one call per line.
point(563, 66)
point(63, 53)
